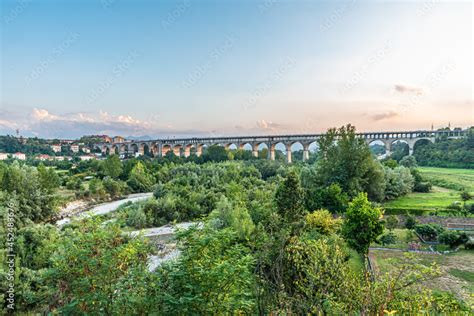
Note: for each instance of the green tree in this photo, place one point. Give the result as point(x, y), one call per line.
point(212, 276)
point(346, 159)
point(289, 198)
point(408, 161)
point(215, 153)
point(89, 267)
point(140, 179)
point(48, 178)
point(112, 166)
point(362, 224)
point(391, 222)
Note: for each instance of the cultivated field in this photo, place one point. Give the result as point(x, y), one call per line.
point(457, 270)
point(447, 184)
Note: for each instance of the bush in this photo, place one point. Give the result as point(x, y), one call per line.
point(429, 232)
point(469, 245)
point(136, 217)
point(323, 222)
point(388, 239)
point(410, 222)
point(391, 222)
point(453, 238)
point(423, 187)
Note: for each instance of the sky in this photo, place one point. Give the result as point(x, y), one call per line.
point(211, 68)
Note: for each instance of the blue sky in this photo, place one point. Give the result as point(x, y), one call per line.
point(233, 67)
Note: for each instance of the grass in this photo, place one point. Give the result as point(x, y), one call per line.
point(447, 184)
point(454, 179)
point(457, 270)
point(438, 198)
point(356, 262)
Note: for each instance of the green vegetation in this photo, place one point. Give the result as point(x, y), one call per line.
point(272, 238)
point(451, 153)
point(449, 178)
point(444, 198)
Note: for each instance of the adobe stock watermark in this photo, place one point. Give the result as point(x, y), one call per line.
point(274, 77)
point(427, 7)
point(266, 5)
point(117, 72)
point(337, 15)
point(14, 13)
point(56, 53)
point(200, 71)
point(175, 14)
point(377, 56)
point(106, 4)
point(10, 230)
point(432, 81)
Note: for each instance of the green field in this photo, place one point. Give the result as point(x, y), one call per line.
point(454, 179)
point(457, 270)
point(447, 184)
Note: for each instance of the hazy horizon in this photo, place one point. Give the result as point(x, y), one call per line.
point(207, 68)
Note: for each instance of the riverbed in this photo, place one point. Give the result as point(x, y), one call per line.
point(105, 208)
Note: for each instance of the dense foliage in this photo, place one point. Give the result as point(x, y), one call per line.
point(269, 238)
point(451, 153)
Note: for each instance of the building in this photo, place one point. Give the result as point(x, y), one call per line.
point(19, 156)
point(56, 148)
point(86, 150)
point(3, 156)
point(75, 148)
point(103, 138)
point(118, 139)
point(44, 157)
point(87, 157)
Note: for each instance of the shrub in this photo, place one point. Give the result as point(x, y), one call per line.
point(388, 239)
point(429, 231)
point(391, 222)
point(423, 187)
point(136, 217)
point(453, 238)
point(410, 222)
point(323, 222)
point(469, 245)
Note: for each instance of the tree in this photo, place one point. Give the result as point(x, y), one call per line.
point(399, 181)
point(409, 162)
point(453, 238)
point(228, 215)
point(391, 222)
point(48, 178)
point(465, 196)
point(346, 159)
point(112, 166)
point(362, 224)
point(322, 222)
point(215, 153)
point(212, 276)
point(140, 180)
point(90, 266)
point(289, 198)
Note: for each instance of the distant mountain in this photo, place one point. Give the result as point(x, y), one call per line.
point(140, 138)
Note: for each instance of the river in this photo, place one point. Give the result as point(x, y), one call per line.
point(105, 208)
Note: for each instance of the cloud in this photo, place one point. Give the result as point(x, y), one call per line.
point(384, 116)
point(402, 88)
point(268, 125)
point(40, 121)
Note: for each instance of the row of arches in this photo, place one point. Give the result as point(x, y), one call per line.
point(185, 150)
point(157, 149)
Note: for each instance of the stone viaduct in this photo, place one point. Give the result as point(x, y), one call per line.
point(187, 146)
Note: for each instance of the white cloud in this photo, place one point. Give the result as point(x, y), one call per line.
point(402, 88)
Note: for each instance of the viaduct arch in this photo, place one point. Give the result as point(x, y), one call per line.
point(186, 146)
